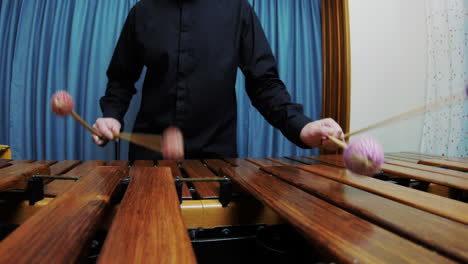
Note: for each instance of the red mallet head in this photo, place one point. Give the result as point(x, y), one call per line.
point(62, 103)
point(172, 144)
point(364, 155)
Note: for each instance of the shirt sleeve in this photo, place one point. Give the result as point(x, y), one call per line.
point(124, 70)
point(264, 88)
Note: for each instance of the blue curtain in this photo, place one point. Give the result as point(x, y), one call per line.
point(293, 29)
point(54, 45)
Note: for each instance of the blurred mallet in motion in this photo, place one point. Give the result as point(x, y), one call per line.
point(171, 144)
point(450, 99)
point(364, 155)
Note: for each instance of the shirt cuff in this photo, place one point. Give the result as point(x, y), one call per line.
point(294, 128)
point(111, 113)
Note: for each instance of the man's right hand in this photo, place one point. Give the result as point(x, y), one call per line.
point(315, 134)
point(108, 127)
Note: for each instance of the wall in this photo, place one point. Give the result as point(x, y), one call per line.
point(388, 63)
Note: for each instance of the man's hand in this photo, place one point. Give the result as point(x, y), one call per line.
point(315, 134)
point(107, 127)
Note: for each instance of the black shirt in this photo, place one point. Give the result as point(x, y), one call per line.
point(192, 49)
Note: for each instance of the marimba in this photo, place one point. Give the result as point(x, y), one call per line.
point(147, 207)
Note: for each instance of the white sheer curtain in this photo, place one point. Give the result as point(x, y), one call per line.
point(445, 130)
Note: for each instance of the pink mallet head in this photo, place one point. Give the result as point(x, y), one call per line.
point(172, 144)
point(364, 155)
point(62, 103)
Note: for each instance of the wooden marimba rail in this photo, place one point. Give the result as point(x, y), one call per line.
point(350, 218)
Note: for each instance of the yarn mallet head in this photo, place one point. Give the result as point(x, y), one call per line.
point(62, 103)
point(364, 155)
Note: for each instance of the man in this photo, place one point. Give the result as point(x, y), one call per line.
point(192, 50)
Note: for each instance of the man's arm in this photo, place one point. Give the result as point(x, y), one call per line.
point(124, 70)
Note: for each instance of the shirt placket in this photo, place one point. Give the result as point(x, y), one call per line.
point(185, 62)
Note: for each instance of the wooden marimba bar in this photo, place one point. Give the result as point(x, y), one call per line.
point(348, 218)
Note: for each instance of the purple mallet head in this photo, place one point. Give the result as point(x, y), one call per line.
point(364, 155)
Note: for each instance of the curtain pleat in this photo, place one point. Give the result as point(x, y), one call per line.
point(9, 16)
